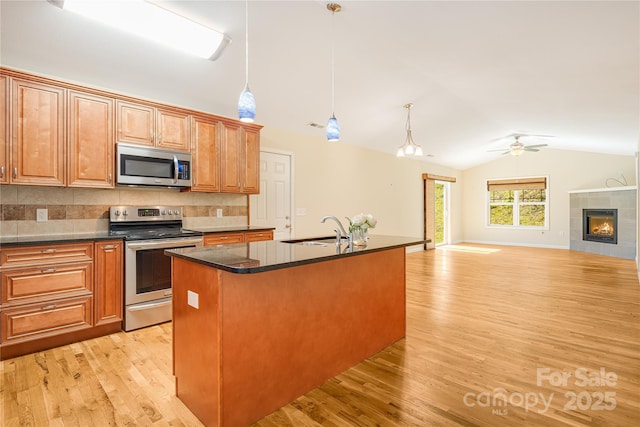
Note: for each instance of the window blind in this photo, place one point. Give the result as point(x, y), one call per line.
point(539, 183)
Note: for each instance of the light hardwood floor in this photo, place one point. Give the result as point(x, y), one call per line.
point(489, 329)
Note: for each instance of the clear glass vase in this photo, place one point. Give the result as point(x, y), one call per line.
point(359, 236)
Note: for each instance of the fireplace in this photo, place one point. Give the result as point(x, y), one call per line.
point(600, 225)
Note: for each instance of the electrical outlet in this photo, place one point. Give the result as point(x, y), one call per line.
point(42, 215)
point(219, 213)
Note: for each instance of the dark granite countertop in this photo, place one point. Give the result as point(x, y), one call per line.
point(56, 238)
point(228, 229)
point(256, 257)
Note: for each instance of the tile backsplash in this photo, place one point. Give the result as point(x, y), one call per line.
point(82, 210)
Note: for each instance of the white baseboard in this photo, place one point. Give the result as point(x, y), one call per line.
point(531, 245)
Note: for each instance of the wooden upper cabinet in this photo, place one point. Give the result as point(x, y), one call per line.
point(136, 123)
point(173, 130)
point(240, 157)
point(205, 148)
point(4, 131)
point(251, 161)
point(91, 140)
point(230, 156)
point(37, 133)
point(146, 125)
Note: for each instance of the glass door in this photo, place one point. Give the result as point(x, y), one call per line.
point(442, 213)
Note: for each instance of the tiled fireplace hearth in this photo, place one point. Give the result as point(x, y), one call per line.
point(603, 221)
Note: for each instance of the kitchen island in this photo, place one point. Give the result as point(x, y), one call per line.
point(257, 325)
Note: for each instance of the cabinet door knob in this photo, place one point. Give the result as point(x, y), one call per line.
point(48, 251)
point(110, 177)
point(48, 307)
point(15, 172)
point(48, 270)
point(1, 171)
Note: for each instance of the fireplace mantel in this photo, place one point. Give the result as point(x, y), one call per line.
point(599, 190)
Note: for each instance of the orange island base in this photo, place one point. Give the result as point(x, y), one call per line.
point(256, 325)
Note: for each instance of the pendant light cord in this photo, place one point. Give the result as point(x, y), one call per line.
point(408, 127)
point(333, 72)
point(246, 41)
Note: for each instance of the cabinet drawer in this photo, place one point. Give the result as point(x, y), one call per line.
point(223, 239)
point(257, 236)
point(45, 254)
point(31, 284)
point(40, 320)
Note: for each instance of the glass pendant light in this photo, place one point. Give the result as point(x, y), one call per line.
point(333, 129)
point(409, 148)
point(246, 103)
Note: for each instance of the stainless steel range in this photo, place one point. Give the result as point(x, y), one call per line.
point(147, 232)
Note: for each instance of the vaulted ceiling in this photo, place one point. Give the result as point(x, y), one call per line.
point(475, 71)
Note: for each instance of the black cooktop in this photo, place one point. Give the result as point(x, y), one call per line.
point(147, 232)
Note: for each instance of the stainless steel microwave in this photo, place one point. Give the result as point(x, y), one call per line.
point(139, 165)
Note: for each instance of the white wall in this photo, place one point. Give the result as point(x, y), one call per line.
point(567, 170)
point(342, 180)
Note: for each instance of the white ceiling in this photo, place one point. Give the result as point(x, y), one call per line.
point(475, 71)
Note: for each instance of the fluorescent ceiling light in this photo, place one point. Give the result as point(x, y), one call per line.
point(153, 22)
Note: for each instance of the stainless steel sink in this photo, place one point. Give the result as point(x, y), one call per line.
point(313, 241)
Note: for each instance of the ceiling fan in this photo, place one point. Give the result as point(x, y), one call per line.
point(516, 148)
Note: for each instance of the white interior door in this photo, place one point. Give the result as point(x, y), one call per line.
point(272, 207)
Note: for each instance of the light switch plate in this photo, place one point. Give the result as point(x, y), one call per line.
point(301, 211)
point(42, 215)
point(219, 213)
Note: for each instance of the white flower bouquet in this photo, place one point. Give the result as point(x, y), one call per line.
point(362, 221)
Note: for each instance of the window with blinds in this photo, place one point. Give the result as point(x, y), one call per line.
point(518, 202)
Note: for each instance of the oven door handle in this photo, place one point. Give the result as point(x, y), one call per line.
point(176, 169)
point(171, 244)
point(139, 307)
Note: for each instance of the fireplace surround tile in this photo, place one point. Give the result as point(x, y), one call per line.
point(623, 199)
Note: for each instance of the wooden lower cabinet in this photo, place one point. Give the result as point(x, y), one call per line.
point(258, 236)
point(214, 239)
point(223, 238)
point(108, 284)
point(58, 294)
point(32, 284)
point(45, 319)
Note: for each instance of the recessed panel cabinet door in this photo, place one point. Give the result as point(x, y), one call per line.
point(38, 134)
point(136, 123)
point(230, 156)
point(91, 140)
point(173, 130)
point(205, 148)
point(108, 282)
point(4, 132)
point(251, 163)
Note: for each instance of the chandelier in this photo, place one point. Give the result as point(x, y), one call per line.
point(409, 148)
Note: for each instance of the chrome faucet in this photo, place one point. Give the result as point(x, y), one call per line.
point(340, 231)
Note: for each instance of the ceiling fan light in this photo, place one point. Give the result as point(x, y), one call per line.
point(517, 151)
